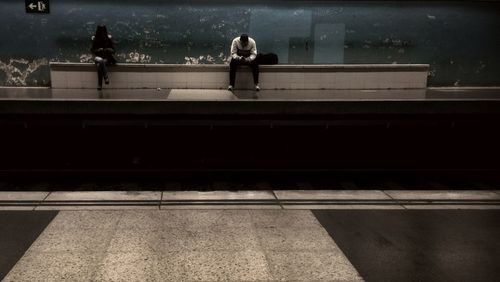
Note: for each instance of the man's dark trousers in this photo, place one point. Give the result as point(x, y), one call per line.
point(234, 65)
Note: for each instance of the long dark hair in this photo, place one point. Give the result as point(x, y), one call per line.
point(101, 37)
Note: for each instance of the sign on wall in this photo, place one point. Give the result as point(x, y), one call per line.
point(40, 6)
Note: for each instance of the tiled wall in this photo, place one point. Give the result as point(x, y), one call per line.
point(279, 79)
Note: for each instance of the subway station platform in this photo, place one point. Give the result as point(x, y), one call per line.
point(272, 233)
point(268, 103)
point(376, 235)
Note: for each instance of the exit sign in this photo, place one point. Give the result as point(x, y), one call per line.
point(40, 6)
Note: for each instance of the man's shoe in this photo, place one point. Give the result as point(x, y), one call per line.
point(230, 88)
point(257, 88)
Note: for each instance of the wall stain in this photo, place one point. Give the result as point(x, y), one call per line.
point(18, 70)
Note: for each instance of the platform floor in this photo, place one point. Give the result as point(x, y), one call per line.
point(231, 236)
point(430, 94)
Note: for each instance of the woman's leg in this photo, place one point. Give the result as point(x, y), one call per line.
point(100, 71)
point(105, 71)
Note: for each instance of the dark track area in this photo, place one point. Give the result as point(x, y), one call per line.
point(441, 135)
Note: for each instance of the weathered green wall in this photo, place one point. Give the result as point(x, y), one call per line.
point(460, 40)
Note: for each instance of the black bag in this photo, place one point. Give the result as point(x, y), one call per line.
point(267, 59)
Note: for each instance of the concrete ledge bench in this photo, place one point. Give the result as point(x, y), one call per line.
point(216, 76)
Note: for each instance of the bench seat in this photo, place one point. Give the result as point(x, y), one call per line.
point(216, 76)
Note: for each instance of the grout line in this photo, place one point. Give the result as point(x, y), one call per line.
point(277, 200)
point(43, 200)
point(399, 204)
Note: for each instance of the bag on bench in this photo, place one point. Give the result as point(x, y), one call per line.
point(267, 59)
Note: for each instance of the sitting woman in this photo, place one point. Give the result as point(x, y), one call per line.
point(103, 50)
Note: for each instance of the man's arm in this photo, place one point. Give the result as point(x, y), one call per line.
point(234, 50)
point(253, 51)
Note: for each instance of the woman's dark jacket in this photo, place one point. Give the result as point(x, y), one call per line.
point(104, 49)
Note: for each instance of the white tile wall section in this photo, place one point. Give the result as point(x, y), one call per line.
point(134, 78)
point(74, 80)
point(342, 80)
point(215, 80)
point(358, 80)
point(91, 76)
point(89, 84)
point(371, 80)
point(365, 79)
point(386, 80)
point(402, 79)
point(414, 81)
point(282, 80)
point(224, 79)
point(351, 80)
point(194, 79)
point(163, 79)
point(278, 79)
point(178, 79)
point(419, 80)
point(405, 79)
point(318, 81)
point(310, 80)
point(90, 79)
point(327, 80)
point(422, 80)
point(59, 79)
point(296, 80)
point(134, 85)
point(149, 79)
point(118, 77)
point(211, 80)
point(267, 80)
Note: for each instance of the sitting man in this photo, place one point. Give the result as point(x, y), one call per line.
point(243, 52)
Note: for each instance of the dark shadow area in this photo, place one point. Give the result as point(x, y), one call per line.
point(18, 230)
point(410, 245)
point(443, 140)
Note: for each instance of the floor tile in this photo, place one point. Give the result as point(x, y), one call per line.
point(214, 266)
point(311, 266)
point(105, 196)
point(331, 194)
point(54, 266)
point(443, 195)
point(22, 196)
point(129, 266)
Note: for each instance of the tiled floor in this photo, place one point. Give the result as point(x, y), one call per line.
point(251, 245)
point(242, 245)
